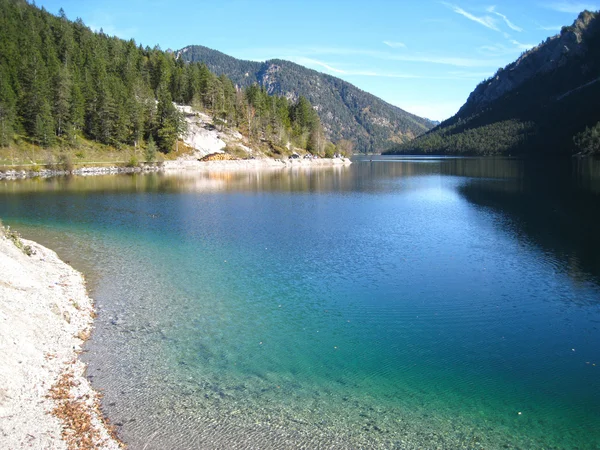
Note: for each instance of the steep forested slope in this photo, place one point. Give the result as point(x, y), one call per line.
point(540, 104)
point(60, 81)
point(345, 111)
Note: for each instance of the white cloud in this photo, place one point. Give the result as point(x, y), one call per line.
point(571, 7)
point(503, 50)
point(495, 50)
point(364, 73)
point(512, 26)
point(262, 54)
point(432, 110)
point(451, 75)
point(108, 25)
point(110, 30)
point(450, 61)
point(417, 57)
point(395, 44)
point(486, 21)
point(315, 62)
point(556, 28)
point(470, 75)
point(520, 46)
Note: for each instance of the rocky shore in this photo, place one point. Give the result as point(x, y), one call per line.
point(46, 402)
point(179, 164)
point(253, 164)
point(84, 171)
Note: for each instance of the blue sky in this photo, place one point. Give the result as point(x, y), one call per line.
point(423, 56)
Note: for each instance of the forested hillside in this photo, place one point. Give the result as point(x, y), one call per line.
point(59, 82)
point(345, 111)
point(546, 103)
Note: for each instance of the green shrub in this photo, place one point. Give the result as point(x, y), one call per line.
point(329, 150)
point(150, 151)
point(133, 162)
point(16, 239)
point(588, 141)
point(50, 162)
point(65, 162)
point(236, 151)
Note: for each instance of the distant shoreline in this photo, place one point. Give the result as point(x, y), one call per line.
point(179, 164)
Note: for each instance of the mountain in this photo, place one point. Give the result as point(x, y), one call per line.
point(61, 85)
point(542, 103)
point(346, 112)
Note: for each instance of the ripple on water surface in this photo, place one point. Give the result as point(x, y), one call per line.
point(389, 305)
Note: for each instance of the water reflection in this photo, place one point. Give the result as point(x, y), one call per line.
point(363, 176)
point(366, 173)
point(427, 289)
point(288, 180)
point(554, 204)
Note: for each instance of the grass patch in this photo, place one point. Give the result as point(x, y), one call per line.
point(236, 151)
point(26, 154)
point(180, 150)
point(133, 161)
point(15, 238)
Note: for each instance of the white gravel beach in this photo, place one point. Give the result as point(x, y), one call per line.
point(193, 164)
point(45, 314)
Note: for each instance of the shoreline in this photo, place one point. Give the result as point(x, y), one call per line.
point(180, 164)
point(253, 164)
point(46, 315)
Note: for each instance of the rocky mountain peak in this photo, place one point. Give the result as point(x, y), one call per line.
point(268, 77)
point(555, 52)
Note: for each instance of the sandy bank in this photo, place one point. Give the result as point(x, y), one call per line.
point(44, 315)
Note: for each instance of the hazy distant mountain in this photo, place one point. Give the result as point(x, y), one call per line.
point(537, 104)
point(345, 111)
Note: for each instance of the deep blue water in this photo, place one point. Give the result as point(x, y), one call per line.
point(397, 303)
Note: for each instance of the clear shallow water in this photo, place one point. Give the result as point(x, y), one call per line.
point(398, 303)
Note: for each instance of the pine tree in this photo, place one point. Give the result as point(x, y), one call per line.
point(77, 107)
point(34, 90)
point(150, 152)
point(44, 126)
point(60, 79)
point(170, 123)
point(103, 117)
point(316, 140)
point(7, 109)
point(62, 100)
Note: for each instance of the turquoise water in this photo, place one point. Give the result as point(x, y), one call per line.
point(397, 303)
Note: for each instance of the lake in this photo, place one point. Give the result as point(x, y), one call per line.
point(396, 303)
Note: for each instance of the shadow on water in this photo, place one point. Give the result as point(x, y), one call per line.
point(554, 205)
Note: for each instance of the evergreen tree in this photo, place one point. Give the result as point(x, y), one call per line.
point(7, 109)
point(170, 123)
point(76, 107)
point(102, 117)
point(34, 90)
point(316, 139)
point(44, 126)
point(62, 100)
point(59, 80)
point(150, 152)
